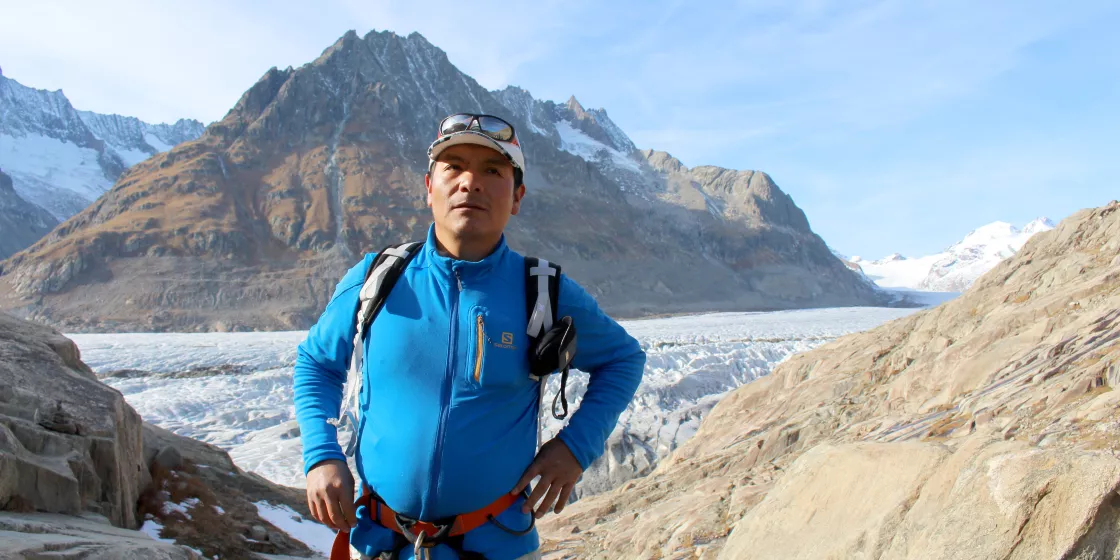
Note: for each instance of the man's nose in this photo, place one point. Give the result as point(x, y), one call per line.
point(468, 181)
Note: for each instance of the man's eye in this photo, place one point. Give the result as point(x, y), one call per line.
point(453, 166)
point(494, 171)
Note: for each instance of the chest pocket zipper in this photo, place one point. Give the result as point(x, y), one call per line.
point(481, 346)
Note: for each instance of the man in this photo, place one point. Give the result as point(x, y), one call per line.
point(448, 425)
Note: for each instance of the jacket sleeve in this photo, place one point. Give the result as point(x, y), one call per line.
point(320, 371)
point(615, 362)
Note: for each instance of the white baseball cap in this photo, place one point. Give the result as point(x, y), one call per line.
point(481, 130)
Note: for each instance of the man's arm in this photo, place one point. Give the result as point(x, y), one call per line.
point(615, 362)
point(320, 373)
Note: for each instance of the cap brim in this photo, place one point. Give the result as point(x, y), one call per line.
point(511, 151)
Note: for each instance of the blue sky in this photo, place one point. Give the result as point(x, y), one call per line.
point(898, 126)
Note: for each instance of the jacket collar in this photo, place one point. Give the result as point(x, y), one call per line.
point(451, 265)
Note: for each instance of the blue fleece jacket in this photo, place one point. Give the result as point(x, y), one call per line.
point(449, 412)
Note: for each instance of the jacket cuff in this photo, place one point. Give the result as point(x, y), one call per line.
point(313, 460)
point(582, 454)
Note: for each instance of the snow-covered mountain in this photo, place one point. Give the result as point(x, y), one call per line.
point(184, 382)
point(61, 159)
point(135, 140)
point(587, 133)
point(956, 268)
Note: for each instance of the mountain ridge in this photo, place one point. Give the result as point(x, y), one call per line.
point(315, 165)
point(61, 159)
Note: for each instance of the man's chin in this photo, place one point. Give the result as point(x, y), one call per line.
point(465, 227)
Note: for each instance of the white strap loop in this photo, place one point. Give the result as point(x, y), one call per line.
point(541, 319)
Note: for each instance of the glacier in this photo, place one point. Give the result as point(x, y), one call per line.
point(234, 390)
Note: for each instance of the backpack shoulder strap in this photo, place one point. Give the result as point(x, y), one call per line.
point(542, 292)
point(380, 279)
point(542, 295)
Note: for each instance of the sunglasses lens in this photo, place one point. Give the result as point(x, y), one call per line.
point(496, 128)
point(454, 123)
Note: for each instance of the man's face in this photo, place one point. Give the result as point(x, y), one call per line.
point(471, 192)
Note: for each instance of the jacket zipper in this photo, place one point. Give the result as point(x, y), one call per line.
point(445, 395)
point(478, 355)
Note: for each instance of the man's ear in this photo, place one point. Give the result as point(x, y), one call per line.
point(518, 194)
point(428, 188)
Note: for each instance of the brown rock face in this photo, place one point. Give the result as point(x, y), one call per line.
point(68, 443)
point(983, 428)
point(251, 225)
point(222, 518)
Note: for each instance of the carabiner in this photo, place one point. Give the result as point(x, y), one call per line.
point(418, 549)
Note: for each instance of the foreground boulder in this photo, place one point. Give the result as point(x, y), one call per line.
point(68, 443)
point(984, 428)
point(80, 472)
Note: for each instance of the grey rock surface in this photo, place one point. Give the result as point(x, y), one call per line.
point(68, 443)
point(26, 536)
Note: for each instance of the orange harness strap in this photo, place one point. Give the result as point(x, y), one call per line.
point(463, 524)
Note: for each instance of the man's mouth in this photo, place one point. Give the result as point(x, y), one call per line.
point(468, 206)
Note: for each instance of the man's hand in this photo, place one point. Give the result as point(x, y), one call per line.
point(330, 495)
point(559, 470)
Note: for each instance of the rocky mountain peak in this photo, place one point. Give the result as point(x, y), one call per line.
point(315, 165)
point(752, 195)
point(41, 112)
point(663, 161)
point(576, 109)
point(1038, 225)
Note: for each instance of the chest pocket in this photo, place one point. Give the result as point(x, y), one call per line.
point(498, 355)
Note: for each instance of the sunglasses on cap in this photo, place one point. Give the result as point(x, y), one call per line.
point(489, 125)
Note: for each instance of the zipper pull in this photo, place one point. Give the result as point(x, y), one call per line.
point(458, 280)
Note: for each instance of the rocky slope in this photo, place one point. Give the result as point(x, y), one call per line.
point(983, 428)
point(251, 225)
point(79, 472)
point(61, 159)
